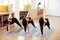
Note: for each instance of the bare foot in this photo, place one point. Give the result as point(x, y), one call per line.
point(25, 32)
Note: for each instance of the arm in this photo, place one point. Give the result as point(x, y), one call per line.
point(9, 18)
point(44, 12)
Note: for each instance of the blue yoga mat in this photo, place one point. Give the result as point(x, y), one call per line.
point(33, 32)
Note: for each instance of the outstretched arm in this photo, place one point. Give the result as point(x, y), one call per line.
point(44, 12)
point(9, 17)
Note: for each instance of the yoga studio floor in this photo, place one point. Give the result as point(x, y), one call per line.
point(35, 34)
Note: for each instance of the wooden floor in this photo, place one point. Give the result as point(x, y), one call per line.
point(55, 23)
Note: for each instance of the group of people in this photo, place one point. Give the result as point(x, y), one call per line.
point(12, 20)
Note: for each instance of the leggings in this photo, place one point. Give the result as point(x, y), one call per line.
point(25, 27)
point(41, 27)
point(24, 22)
point(14, 20)
point(31, 21)
point(47, 23)
point(41, 22)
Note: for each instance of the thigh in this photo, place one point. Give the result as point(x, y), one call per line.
point(12, 21)
point(24, 25)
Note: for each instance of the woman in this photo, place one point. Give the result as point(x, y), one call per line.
point(12, 20)
point(42, 22)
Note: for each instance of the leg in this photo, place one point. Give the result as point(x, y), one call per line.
point(14, 20)
point(48, 25)
point(41, 27)
point(7, 27)
point(24, 22)
point(41, 22)
point(25, 26)
point(8, 23)
point(33, 23)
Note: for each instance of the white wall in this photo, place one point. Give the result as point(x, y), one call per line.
point(17, 9)
point(53, 7)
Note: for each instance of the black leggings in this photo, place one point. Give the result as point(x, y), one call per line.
point(41, 27)
point(31, 21)
point(14, 20)
point(24, 22)
point(25, 27)
point(48, 25)
point(41, 22)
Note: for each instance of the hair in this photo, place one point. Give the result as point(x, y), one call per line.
point(12, 13)
point(29, 17)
